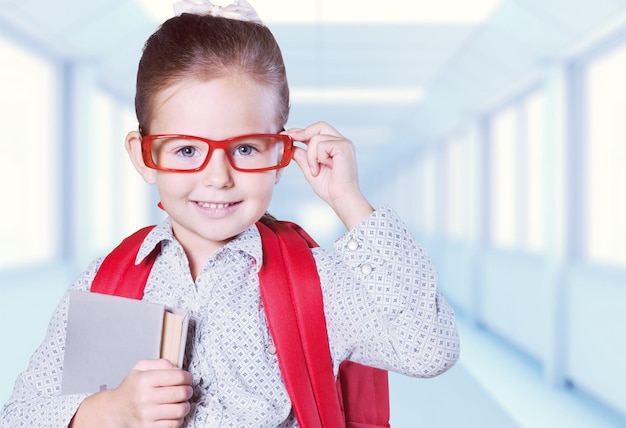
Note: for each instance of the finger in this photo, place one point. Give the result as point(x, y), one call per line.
point(171, 418)
point(306, 134)
point(301, 157)
point(291, 131)
point(164, 371)
point(171, 411)
point(172, 394)
point(171, 377)
point(160, 364)
point(168, 424)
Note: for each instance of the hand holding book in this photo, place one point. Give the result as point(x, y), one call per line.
point(154, 391)
point(108, 335)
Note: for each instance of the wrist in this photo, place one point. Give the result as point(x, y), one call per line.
point(352, 210)
point(94, 411)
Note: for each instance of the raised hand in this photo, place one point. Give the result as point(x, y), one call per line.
point(329, 166)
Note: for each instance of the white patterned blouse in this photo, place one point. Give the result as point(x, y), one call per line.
point(382, 305)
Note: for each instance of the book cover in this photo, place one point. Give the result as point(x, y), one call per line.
point(107, 335)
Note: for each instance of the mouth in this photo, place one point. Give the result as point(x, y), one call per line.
point(215, 205)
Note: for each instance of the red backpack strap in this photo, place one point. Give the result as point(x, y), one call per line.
point(118, 275)
point(292, 297)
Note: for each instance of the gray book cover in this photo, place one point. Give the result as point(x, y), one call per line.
point(106, 336)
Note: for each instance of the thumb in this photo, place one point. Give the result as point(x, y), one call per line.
point(300, 156)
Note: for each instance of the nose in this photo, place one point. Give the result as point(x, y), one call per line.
point(218, 172)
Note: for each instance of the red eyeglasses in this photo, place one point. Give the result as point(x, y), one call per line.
point(186, 153)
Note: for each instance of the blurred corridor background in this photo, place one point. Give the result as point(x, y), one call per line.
point(495, 127)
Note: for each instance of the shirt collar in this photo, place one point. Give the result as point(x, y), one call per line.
point(248, 242)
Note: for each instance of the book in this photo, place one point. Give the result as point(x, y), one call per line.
point(107, 335)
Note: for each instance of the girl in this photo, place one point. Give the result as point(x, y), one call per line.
point(208, 75)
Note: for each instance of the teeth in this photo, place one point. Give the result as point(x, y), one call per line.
point(213, 205)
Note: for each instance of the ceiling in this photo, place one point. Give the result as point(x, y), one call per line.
point(459, 66)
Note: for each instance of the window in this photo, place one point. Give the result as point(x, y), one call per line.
point(29, 169)
point(604, 159)
point(425, 207)
point(532, 123)
point(503, 178)
point(105, 148)
point(122, 205)
point(458, 188)
point(517, 174)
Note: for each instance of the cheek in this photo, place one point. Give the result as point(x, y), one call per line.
point(173, 185)
point(262, 186)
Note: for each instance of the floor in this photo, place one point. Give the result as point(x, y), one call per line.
point(492, 386)
point(454, 399)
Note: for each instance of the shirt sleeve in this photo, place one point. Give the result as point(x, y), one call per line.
point(383, 305)
point(36, 400)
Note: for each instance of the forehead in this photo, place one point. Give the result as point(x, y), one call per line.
point(225, 105)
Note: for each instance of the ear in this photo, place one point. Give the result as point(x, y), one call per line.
point(133, 147)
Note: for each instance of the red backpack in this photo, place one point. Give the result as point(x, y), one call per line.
point(291, 294)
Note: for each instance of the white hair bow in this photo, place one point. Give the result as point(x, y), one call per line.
point(240, 10)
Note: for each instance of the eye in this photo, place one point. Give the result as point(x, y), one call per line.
point(187, 151)
point(244, 150)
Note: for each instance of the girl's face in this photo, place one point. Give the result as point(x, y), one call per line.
point(210, 207)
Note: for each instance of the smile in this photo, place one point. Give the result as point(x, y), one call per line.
point(213, 205)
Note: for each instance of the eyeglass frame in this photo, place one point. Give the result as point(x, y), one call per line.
point(146, 151)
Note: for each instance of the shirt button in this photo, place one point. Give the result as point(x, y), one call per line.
point(366, 268)
point(271, 349)
point(353, 245)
